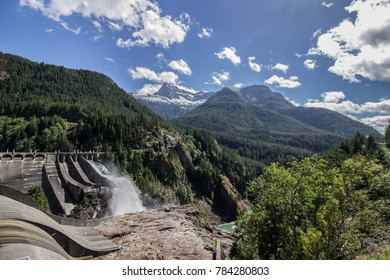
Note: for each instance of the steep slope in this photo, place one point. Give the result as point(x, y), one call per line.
point(253, 130)
point(171, 101)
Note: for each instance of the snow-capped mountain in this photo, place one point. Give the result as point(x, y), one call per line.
point(172, 101)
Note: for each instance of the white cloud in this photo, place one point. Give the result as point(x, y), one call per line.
point(181, 66)
point(97, 25)
point(238, 85)
point(206, 33)
point(191, 90)
point(332, 96)
point(49, 30)
point(280, 67)
point(342, 107)
point(310, 64)
point(254, 66)
point(293, 102)
point(327, 5)
point(359, 47)
point(143, 18)
point(219, 78)
point(230, 54)
point(73, 30)
point(146, 73)
point(97, 37)
point(378, 122)
point(114, 26)
point(109, 59)
point(382, 107)
point(316, 33)
point(332, 100)
point(161, 57)
point(148, 89)
point(281, 82)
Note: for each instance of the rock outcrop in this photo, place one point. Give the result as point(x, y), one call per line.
point(180, 232)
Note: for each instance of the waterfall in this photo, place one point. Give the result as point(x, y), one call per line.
point(125, 196)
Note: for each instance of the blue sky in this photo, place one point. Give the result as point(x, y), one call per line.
point(333, 54)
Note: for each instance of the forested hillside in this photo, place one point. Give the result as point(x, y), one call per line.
point(254, 131)
point(335, 206)
point(47, 108)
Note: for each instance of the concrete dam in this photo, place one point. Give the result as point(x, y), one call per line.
point(68, 181)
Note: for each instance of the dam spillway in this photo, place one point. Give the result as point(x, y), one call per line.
point(67, 179)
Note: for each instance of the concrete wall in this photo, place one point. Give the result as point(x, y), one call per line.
point(92, 172)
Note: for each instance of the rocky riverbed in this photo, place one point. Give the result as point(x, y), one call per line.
point(181, 232)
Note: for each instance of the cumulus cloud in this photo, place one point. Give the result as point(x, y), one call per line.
point(143, 18)
point(206, 33)
point(148, 89)
point(310, 64)
point(293, 102)
point(146, 73)
point(360, 46)
point(109, 59)
point(230, 54)
point(281, 82)
point(332, 96)
point(280, 67)
point(327, 5)
point(378, 122)
point(344, 107)
point(382, 107)
point(219, 78)
point(254, 66)
point(49, 30)
point(190, 90)
point(238, 85)
point(334, 100)
point(181, 66)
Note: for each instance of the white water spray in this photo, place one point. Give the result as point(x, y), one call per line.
point(125, 198)
point(125, 194)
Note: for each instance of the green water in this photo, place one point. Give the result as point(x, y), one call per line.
point(230, 227)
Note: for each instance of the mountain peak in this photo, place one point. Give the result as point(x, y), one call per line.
point(225, 94)
point(264, 96)
point(168, 91)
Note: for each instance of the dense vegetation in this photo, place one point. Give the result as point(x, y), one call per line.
point(36, 192)
point(332, 207)
point(46, 108)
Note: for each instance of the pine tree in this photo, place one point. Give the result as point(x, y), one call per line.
point(387, 136)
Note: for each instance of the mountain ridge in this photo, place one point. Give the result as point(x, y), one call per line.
point(170, 101)
point(262, 133)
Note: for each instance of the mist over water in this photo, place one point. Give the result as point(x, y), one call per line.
point(125, 196)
